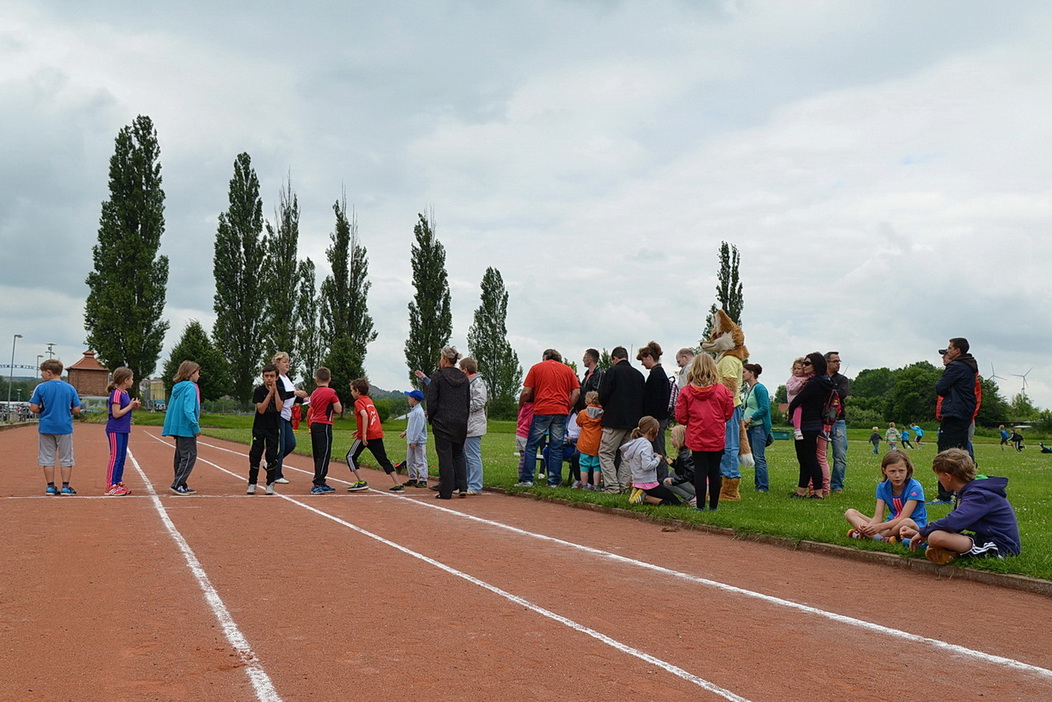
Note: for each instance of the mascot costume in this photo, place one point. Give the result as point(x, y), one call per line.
point(728, 343)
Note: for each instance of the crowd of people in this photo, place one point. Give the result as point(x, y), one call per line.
point(611, 424)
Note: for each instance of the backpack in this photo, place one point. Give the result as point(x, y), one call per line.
point(673, 395)
point(832, 408)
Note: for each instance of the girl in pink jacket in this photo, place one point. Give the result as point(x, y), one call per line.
point(703, 407)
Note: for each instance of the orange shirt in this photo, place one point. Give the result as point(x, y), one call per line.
point(591, 432)
point(552, 383)
point(374, 430)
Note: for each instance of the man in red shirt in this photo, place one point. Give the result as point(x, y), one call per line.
point(553, 388)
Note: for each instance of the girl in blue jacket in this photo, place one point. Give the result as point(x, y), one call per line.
point(181, 423)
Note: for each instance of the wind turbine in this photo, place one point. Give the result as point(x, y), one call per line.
point(993, 373)
point(1023, 376)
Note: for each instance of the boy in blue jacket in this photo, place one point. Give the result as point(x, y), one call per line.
point(982, 510)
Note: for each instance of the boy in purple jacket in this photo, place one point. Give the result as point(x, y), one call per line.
point(982, 509)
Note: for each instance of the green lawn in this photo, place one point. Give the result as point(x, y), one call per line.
point(1030, 489)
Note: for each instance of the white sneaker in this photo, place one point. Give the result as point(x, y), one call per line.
point(270, 488)
point(251, 489)
point(281, 481)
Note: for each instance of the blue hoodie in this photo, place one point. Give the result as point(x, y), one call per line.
point(183, 410)
point(983, 508)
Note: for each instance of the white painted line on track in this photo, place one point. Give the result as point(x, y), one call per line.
point(770, 599)
point(576, 626)
point(261, 683)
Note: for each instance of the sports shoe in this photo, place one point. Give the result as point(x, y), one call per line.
point(181, 490)
point(396, 488)
point(524, 483)
point(474, 492)
point(321, 490)
point(251, 489)
point(577, 485)
point(67, 490)
point(854, 534)
point(51, 490)
point(270, 489)
point(281, 481)
point(360, 485)
point(940, 556)
point(421, 483)
point(636, 498)
point(113, 491)
point(462, 493)
point(123, 490)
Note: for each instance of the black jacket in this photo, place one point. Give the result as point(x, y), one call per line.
point(621, 395)
point(656, 394)
point(812, 398)
point(588, 384)
point(449, 404)
point(956, 386)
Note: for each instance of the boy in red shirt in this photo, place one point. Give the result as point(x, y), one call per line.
point(369, 435)
point(324, 402)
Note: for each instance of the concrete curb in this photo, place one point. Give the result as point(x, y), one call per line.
point(918, 565)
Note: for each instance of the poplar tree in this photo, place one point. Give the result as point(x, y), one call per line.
point(488, 343)
point(309, 347)
point(122, 315)
point(194, 345)
point(241, 286)
point(344, 293)
point(282, 275)
point(728, 288)
point(430, 318)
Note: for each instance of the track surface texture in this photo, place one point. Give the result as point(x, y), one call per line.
point(374, 595)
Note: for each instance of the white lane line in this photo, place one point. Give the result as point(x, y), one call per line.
point(770, 599)
point(576, 626)
point(261, 682)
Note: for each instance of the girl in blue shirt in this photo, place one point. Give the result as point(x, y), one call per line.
point(898, 493)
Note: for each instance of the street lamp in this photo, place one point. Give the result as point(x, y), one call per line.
point(50, 352)
point(11, 375)
point(39, 356)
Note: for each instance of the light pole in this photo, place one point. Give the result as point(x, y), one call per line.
point(11, 375)
point(50, 352)
point(39, 356)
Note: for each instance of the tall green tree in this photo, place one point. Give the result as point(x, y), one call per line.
point(488, 342)
point(309, 348)
point(194, 345)
point(728, 288)
point(282, 275)
point(122, 315)
point(430, 317)
point(241, 288)
point(344, 293)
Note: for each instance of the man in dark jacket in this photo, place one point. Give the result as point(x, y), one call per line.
point(621, 395)
point(956, 387)
point(593, 376)
point(839, 433)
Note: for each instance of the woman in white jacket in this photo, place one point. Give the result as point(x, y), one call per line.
point(476, 424)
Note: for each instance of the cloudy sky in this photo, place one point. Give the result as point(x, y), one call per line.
point(885, 169)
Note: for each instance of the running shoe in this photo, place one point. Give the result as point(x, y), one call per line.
point(251, 489)
point(524, 483)
point(409, 483)
point(67, 490)
point(854, 534)
point(51, 490)
point(270, 489)
point(281, 481)
point(940, 556)
point(121, 490)
point(637, 496)
point(113, 491)
point(360, 485)
point(396, 488)
point(321, 490)
point(181, 490)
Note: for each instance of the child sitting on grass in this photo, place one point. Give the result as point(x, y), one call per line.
point(983, 522)
point(639, 455)
point(681, 481)
point(899, 492)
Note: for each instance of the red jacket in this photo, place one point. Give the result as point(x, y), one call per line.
point(704, 412)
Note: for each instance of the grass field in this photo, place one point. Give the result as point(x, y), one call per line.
point(1029, 472)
